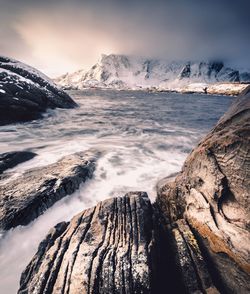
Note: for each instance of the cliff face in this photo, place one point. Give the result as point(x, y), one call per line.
point(212, 194)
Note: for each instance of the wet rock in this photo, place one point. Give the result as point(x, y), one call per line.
point(11, 159)
point(24, 198)
point(104, 249)
point(212, 194)
point(25, 93)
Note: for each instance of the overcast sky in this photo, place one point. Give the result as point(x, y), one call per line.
point(59, 36)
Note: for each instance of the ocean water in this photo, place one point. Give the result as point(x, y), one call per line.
point(142, 137)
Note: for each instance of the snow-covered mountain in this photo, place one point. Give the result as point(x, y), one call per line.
point(129, 72)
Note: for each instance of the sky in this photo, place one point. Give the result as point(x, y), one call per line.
point(59, 36)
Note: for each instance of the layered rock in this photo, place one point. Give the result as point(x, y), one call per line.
point(25, 93)
point(212, 194)
point(11, 159)
point(105, 249)
point(24, 198)
point(122, 245)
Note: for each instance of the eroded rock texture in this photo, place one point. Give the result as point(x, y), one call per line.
point(212, 195)
point(105, 249)
point(24, 198)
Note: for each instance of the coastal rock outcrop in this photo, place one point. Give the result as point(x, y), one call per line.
point(122, 245)
point(105, 249)
point(11, 159)
point(211, 194)
point(24, 198)
point(25, 93)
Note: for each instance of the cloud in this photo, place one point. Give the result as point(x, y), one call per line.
point(60, 36)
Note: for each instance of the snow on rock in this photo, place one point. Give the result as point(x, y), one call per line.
point(129, 72)
point(25, 92)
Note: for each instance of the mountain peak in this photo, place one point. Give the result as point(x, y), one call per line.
point(130, 72)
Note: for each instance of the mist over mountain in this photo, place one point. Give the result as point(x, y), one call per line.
point(62, 36)
point(130, 72)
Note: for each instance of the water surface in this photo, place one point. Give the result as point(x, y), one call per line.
point(143, 138)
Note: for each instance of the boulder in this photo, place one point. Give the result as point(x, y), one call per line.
point(25, 93)
point(24, 198)
point(211, 194)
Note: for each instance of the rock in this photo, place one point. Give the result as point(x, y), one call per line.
point(122, 245)
point(104, 249)
point(186, 71)
point(245, 77)
point(212, 195)
point(25, 93)
point(11, 159)
point(190, 261)
point(26, 197)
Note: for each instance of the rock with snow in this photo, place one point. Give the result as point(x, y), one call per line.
point(212, 195)
point(25, 93)
point(128, 72)
point(25, 197)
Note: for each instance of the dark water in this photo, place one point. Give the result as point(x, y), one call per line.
point(143, 138)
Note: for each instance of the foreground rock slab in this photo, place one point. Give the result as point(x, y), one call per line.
point(26, 197)
point(104, 249)
point(212, 195)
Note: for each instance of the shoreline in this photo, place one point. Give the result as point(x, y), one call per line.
point(212, 90)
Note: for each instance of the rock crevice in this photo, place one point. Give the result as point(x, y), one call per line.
point(211, 194)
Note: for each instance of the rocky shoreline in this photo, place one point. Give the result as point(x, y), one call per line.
point(194, 239)
point(24, 198)
point(26, 93)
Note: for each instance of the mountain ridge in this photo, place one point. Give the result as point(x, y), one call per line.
point(129, 72)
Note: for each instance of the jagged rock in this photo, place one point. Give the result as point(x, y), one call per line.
point(26, 197)
point(104, 249)
point(212, 194)
point(11, 159)
point(25, 93)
